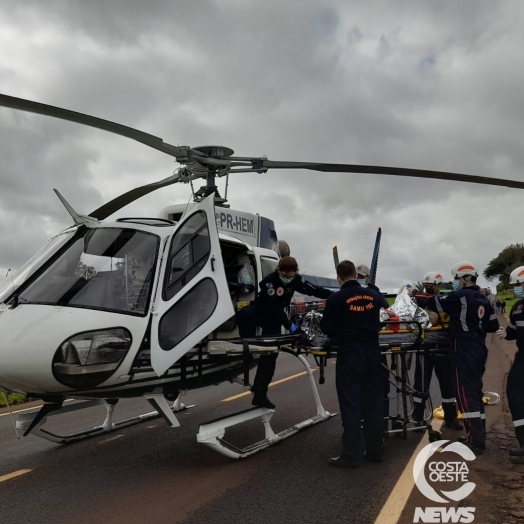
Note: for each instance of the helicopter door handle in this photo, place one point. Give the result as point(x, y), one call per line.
point(212, 263)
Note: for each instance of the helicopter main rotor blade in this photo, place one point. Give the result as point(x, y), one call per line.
point(99, 123)
point(127, 198)
point(395, 171)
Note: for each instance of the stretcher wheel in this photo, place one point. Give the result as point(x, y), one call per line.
point(434, 435)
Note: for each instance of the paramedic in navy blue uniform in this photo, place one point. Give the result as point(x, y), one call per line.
point(352, 320)
point(441, 363)
point(471, 317)
point(515, 384)
point(364, 279)
point(269, 312)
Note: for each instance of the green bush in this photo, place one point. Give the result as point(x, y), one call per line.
point(14, 398)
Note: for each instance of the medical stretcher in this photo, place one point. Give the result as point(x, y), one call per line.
point(403, 346)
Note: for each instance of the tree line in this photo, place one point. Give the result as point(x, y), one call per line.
point(503, 264)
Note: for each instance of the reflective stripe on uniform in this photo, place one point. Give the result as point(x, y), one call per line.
point(483, 416)
point(471, 414)
point(463, 313)
point(449, 400)
point(493, 317)
point(439, 307)
point(518, 423)
point(417, 399)
point(519, 323)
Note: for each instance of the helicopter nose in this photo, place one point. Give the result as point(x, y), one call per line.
point(26, 353)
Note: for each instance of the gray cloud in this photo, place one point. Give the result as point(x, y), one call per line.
point(410, 84)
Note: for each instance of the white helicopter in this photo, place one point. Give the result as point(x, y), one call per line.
point(145, 307)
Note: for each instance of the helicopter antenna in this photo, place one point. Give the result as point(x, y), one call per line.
point(78, 219)
point(12, 282)
point(227, 185)
point(192, 190)
point(187, 205)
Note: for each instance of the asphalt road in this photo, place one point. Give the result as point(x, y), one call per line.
point(152, 473)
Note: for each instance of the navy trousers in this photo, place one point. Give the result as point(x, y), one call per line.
point(248, 319)
point(515, 393)
point(360, 379)
point(469, 357)
point(444, 371)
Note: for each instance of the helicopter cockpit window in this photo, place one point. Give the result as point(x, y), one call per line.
point(269, 265)
point(43, 254)
point(107, 268)
point(190, 248)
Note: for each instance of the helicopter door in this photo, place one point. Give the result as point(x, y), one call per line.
point(192, 298)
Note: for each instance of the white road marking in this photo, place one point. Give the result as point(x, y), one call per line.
point(398, 498)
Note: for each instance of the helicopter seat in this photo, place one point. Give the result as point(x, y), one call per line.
point(241, 293)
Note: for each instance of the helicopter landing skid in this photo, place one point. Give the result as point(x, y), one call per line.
point(211, 433)
point(24, 420)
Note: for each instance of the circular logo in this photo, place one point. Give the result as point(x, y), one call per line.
point(481, 311)
point(280, 291)
point(270, 291)
point(440, 471)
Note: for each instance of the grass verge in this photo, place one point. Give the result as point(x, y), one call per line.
point(14, 398)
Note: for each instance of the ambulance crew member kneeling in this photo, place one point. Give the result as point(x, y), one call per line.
point(352, 320)
point(471, 317)
point(269, 312)
point(515, 385)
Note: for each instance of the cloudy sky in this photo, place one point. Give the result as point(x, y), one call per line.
point(432, 85)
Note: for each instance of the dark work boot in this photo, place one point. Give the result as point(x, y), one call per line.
point(478, 449)
point(373, 457)
point(343, 463)
point(453, 424)
point(260, 400)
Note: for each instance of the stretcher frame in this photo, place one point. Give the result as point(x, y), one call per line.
point(401, 355)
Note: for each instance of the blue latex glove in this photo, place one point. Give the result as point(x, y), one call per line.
point(293, 328)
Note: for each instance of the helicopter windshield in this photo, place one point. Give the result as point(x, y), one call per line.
point(110, 269)
point(43, 254)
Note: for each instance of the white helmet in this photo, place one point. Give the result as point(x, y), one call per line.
point(432, 277)
point(517, 276)
point(464, 268)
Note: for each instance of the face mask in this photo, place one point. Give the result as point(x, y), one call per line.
point(286, 280)
point(456, 285)
point(518, 291)
point(362, 282)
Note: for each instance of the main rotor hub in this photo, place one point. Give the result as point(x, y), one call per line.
point(215, 151)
